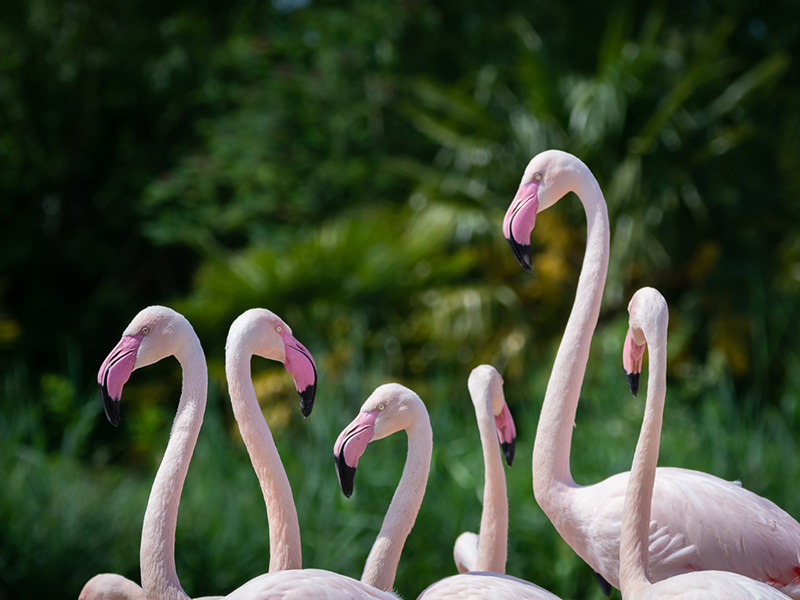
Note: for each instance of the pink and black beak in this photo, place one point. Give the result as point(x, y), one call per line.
point(632, 354)
point(519, 221)
point(349, 447)
point(506, 433)
point(301, 366)
point(114, 373)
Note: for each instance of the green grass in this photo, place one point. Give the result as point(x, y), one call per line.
point(72, 506)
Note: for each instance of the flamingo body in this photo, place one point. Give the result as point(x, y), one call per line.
point(485, 585)
point(695, 519)
point(110, 586)
point(307, 584)
point(708, 585)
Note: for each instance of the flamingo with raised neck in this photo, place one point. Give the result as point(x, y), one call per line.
point(156, 333)
point(648, 325)
point(481, 559)
point(488, 550)
point(262, 333)
point(588, 518)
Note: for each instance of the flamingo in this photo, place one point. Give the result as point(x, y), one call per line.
point(262, 333)
point(690, 531)
point(488, 551)
point(648, 325)
point(389, 409)
point(484, 555)
point(155, 333)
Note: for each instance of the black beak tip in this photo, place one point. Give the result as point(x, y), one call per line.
point(307, 399)
point(110, 407)
point(508, 450)
point(633, 382)
point(522, 252)
point(345, 473)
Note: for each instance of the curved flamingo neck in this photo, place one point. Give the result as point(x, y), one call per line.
point(635, 532)
point(284, 530)
point(381, 565)
point(551, 451)
point(493, 538)
point(157, 551)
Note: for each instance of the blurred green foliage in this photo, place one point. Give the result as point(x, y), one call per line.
point(348, 167)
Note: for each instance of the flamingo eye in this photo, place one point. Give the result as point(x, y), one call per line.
point(537, 176)
point(145, 330)
point(278, 329)
point(381, 406)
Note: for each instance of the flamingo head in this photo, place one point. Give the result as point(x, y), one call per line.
point(149, 338)
point(486, 387)
point(390, 408)
point(265, 334)
point(647, 311)
point(549, 176)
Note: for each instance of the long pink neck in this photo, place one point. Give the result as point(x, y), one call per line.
point(634, 540)
point(381, 566)
point(157, 554)
point(284, 529)
point(493, 538)
point(551, 451)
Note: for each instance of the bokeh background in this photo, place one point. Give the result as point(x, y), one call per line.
point(347, 165)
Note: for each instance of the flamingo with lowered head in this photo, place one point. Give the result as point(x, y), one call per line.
point(691, 526)
point(648, 325)
point(481, 559)
point(157, 332)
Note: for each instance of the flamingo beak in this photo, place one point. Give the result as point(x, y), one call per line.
point(519, 221)
point(506, 433)
point(522, 252)
point(349, 447)
point(114, 373)
point(632, 354)
point(301, 366)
